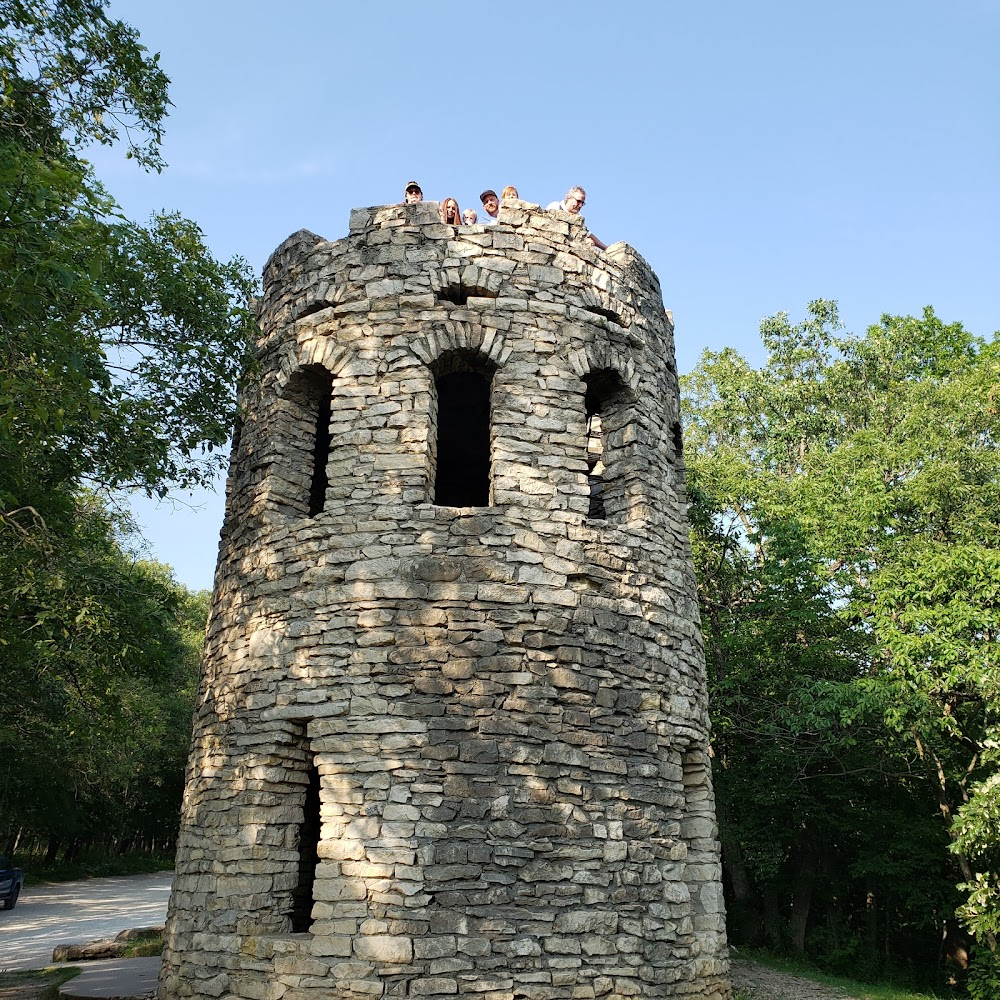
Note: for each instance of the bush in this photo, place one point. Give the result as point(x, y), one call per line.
point(984, 975)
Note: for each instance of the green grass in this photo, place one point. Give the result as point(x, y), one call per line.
point(867, 992)
point(861, 991)
point(147, 946)
point(47, 980)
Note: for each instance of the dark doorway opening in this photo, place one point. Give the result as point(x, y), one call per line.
point(309, 830)
point(462, 478)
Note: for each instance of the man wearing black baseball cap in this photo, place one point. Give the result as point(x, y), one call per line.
point(491, 203)
point(412, 193)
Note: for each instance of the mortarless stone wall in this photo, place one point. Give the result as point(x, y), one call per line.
point(488, 722)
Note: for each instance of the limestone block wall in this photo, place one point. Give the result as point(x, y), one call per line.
point(452, 731)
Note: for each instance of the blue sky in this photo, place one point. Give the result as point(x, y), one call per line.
point(758, 155)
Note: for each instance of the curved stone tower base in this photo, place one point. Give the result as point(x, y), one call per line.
point(452, 730)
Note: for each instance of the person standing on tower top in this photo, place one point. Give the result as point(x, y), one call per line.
point(491, 203)
point(575, 199)
point(412, 193)
point(451, 214)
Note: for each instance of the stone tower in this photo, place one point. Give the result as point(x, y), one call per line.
point(451, 737)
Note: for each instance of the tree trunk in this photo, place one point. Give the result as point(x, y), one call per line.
point(802, 890)
point(744, 907)
point(14, 840)
point(772, 917)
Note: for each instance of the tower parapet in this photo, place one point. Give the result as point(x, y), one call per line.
point(452, 733)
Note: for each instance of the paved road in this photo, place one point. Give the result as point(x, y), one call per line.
point(76, 912)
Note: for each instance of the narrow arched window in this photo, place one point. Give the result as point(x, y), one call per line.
point(304, 430)
point(463, 382)
point(606, 403)
point(308, 851)
point(301, 790)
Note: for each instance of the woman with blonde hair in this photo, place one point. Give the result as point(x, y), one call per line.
point(451, 215)
point(508, 192)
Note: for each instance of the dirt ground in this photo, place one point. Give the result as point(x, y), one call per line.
point(28, 986)
point(22, 986)
point(768, 984)
point(758, 982)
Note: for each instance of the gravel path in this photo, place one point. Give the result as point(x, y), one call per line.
point(769, 984)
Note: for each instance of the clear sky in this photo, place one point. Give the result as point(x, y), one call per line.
point(758, 154)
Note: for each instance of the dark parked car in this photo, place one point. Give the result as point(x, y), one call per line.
point(11, 881)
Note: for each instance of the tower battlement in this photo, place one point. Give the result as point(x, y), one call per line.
point(452, 734)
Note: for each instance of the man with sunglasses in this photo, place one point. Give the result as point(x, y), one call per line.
point(575, 199)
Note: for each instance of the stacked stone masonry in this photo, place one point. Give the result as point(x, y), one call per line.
point(496, 712)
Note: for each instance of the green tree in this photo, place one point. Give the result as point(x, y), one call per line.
point(121, 348)
point(848, 500)
point(121, 344)
point(94, 735)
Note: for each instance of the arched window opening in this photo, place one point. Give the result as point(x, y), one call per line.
point(306, 433)
point(463, 448)
point(308, 843)
point(606, 403)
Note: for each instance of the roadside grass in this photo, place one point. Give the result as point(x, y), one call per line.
point(45, 981)
point(853, 988)
point(144, 946)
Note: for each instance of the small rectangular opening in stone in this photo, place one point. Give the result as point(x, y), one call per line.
point(606, 313)
point(313, 307)
point(455, 294)
point(677, 437)
point(321, 452)
point(595, 466)
point(309, 831)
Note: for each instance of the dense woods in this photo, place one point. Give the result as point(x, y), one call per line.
point(121, 345)
point(96, 723)
point(845, 502)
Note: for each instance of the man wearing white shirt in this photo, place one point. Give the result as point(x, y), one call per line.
point(491, 205)
point(575, 199)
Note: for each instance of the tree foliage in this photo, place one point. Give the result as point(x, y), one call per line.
point(121, 348)
point(122, 343)
point(96, 722)
point(846, 497)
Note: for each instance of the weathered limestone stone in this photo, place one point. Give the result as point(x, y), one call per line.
point(452, 736)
